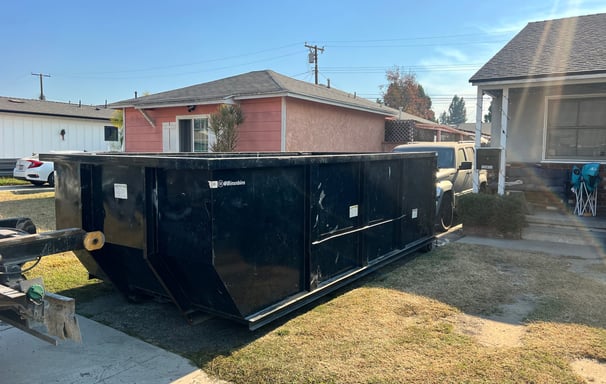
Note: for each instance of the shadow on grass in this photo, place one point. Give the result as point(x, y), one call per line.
point(486, 281)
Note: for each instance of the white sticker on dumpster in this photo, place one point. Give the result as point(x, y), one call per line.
point(353, 211)
point(415, 213)
point(213, 184)
point(121, 191)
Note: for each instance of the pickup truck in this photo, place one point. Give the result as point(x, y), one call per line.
point(454, 176)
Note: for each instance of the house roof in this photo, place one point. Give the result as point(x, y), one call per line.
point(255, 84)
point(551, 48)
point(53, 108)
point(471, 127)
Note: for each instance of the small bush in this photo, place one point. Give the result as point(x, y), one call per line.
point(502, 216)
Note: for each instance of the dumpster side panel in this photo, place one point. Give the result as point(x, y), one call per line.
point(258, 234)
point(69, 187)
point(418, 199)
point(382, 211)
point(185, 257)
point(73, 188)
point(123, 191)
point(334, 206)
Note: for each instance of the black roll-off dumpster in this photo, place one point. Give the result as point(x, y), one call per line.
point(247, 236)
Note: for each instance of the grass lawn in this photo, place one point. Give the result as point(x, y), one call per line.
point(421, 321)
point(12, 181)
point(404, 325)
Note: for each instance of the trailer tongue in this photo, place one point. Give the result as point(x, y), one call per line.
point(24, 303)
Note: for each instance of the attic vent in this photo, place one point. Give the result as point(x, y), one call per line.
point(16, 101)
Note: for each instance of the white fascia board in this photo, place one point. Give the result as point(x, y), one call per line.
point(227, 100)
point(545, 81)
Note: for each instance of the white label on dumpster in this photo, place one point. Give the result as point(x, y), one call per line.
point(212, 184)
point(415, 213)
point(353, 211)
point(121, 191)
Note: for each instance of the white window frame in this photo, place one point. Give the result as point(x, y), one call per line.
point(211, 136)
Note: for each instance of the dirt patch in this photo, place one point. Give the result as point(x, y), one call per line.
point(161, 324)
point(503, 330)
point(491, 333)
point(591, 370)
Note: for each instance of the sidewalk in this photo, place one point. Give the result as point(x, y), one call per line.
point(553, 247)
point(105, 356)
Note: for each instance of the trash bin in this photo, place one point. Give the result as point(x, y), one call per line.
point(247, 236)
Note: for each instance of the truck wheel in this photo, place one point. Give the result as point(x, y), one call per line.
point(446, 216)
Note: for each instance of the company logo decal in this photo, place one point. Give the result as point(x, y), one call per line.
point(213, 184)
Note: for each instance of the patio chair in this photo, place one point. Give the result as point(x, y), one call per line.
point(585, 187)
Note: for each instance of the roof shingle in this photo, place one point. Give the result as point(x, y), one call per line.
point(254, 84)
point(53, 108)
point(560, 47)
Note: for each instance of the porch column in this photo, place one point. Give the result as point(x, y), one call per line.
point(504, 120)
point(476, 171)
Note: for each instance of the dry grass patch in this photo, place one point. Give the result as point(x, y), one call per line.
point(377, 335)
point(403, 325)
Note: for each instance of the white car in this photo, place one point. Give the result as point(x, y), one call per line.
point(35, 171)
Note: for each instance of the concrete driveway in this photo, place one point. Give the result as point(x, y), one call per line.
point(105, 356)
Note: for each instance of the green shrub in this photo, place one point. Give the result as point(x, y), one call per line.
point(502, 216)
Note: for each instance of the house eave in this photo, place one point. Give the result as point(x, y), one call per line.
point(173, 103)
point(230, 99)
point(541, 80)
point(54, 115)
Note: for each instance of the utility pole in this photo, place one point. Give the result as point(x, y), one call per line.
point(41, 87)
point(313, 57)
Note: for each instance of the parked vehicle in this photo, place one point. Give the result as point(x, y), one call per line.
point(35, 171)
point(454, 176)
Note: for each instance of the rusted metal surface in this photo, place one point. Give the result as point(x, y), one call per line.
point(53, 317)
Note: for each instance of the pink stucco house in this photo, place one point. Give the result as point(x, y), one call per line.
point(280, 114)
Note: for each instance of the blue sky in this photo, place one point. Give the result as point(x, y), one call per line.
point(105, 51)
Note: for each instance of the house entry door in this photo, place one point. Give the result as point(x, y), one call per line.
point(185, 136)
